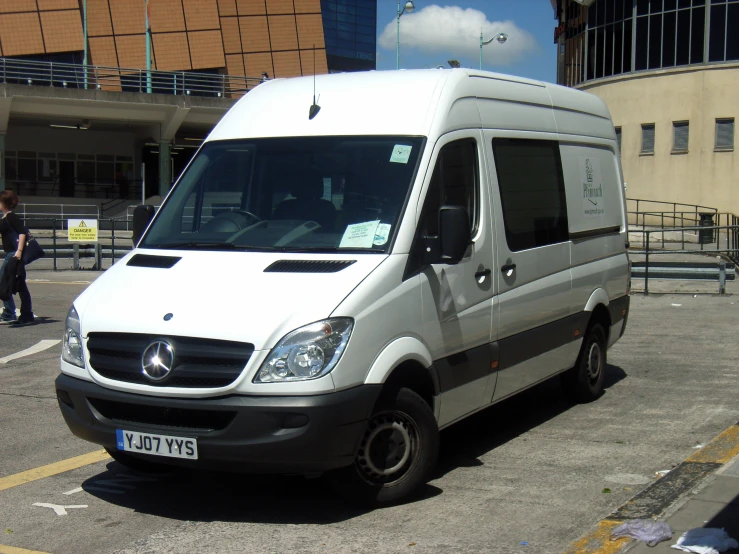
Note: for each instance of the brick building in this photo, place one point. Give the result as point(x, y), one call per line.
point(204, 54)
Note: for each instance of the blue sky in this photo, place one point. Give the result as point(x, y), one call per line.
point(439, 31)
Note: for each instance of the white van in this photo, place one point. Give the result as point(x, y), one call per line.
point(325, 288)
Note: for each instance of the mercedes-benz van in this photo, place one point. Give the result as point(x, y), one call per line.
point(350, 264)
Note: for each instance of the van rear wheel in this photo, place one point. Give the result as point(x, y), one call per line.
point(584, 382)
point(396, 455)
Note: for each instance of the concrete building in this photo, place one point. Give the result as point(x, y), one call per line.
point(669, 72)
point(81, 109)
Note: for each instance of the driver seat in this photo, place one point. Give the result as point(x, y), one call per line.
point(308, 204)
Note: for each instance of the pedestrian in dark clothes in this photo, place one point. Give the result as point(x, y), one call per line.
point(10, 226)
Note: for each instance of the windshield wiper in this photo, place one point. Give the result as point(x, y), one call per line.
point(331, 249)
point(203, 245)
point(194, 245)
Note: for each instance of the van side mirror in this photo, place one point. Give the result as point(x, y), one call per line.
point(142, 216)
point(454, 233)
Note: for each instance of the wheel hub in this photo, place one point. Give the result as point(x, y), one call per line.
point(594, 362)
point(387, 448)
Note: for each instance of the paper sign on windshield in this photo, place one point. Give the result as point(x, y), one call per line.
point(382, 234)
point(359, 235)
point(401, 154)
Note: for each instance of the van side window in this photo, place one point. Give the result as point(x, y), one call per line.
point(532, 192)
point(455, 182)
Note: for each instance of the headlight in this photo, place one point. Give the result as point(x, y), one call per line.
point(72, 343)
point(307, 353)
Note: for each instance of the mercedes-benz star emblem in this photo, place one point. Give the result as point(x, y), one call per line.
point(157, 360)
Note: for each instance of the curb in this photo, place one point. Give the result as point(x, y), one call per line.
point(660, 495)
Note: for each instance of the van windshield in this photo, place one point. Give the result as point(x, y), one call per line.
point(293, 194)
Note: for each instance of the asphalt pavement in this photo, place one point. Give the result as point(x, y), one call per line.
point(532, 474)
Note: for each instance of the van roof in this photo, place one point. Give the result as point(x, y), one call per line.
point(406, 103)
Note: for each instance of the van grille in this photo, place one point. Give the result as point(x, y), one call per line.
point(198, 363)
point(163, 416)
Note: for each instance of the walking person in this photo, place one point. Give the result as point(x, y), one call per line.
point(10, 227)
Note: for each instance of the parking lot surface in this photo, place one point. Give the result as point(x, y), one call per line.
point(531, 474)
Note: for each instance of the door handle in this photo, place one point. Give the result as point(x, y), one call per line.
point(482, 274)
point(508, 268)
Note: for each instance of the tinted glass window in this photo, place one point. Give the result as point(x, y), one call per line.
point(290, 194)
point(455, 182)
point(532, 192)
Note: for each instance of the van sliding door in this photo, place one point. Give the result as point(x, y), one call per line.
point(533, 260)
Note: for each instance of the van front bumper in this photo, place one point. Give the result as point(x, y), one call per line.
point(261, 434)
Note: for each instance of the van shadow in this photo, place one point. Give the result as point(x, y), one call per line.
point(462, 444)
point(203, 496)
point(233, 497)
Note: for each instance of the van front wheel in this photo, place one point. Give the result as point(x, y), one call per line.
point(584, 382)
point(396, 455)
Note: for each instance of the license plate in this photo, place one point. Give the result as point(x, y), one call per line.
point(157, 445)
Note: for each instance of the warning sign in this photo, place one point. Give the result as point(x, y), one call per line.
point(82, 230)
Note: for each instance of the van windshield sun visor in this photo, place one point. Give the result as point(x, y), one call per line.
point(290, 194)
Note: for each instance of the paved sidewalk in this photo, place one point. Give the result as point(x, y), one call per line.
point(714, 503)
point(702, 491)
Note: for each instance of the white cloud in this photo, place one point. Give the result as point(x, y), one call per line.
point(454, 32)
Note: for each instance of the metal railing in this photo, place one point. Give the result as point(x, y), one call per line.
point(56, 245)
point(726, 238)
point(80, 188)
point(662, 213)
point(36, 213)
point(65, 75)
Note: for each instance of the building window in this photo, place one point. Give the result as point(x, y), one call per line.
point(618, 139)
point(680, 136)
point(725, 134)
point(664, 34)
point(532, 192)
point(647, 138)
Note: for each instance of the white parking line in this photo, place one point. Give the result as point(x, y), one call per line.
point(40, 347)
point(58, 509)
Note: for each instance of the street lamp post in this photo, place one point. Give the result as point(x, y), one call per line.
point(148, 48)
point(500, 37)
point(409, 7)
point(84, 38)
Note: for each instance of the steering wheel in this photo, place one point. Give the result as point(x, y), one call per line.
point(244, 212)
point(230, 221)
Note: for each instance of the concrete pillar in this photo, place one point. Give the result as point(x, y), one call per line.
point(165, 167)
point(2, 161)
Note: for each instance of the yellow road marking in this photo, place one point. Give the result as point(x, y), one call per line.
point(4, 549)
point(721, 449)
point(52, 469)
point(598, 541)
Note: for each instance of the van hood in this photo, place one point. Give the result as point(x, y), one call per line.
point(220, 295)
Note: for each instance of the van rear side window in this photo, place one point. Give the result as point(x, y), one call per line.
point(532, 192)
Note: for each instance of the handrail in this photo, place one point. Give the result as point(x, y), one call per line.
point(96, 77)
point(730, 232)
point(675, 204)
point(64, 211)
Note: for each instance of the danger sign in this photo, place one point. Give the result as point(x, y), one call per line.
point(82, 230)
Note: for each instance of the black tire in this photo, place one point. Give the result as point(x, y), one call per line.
point(137, 464)
point(584, 382)
point(402, 431)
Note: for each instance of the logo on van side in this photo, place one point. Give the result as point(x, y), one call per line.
point(593, 202)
